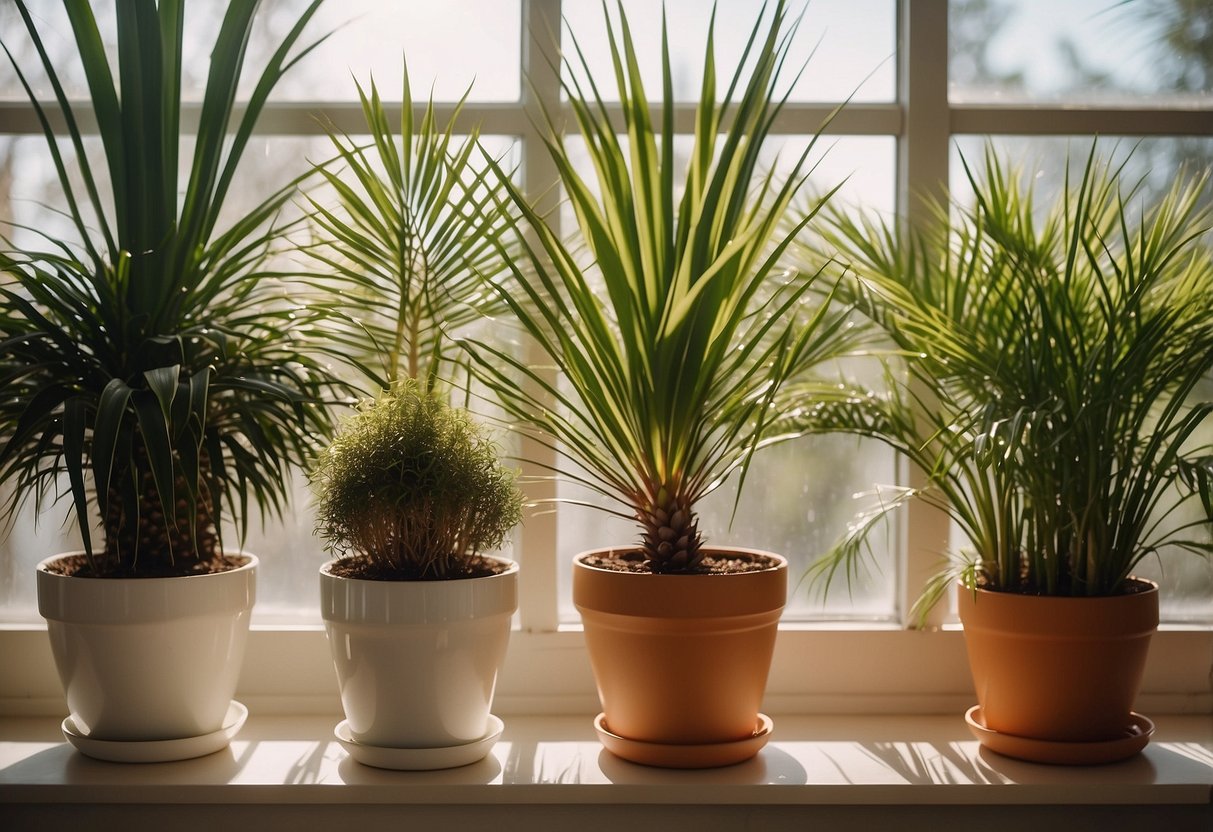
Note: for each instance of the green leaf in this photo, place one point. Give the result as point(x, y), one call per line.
point(111, 414)
point(74, 424)
point(153, 427)
point(162, 381)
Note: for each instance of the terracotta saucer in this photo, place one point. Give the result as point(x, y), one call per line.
point(1134, 738)
point(669, 755)
point(420, 759)
point(157, 751)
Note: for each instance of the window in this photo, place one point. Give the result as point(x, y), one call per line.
point(916, 104)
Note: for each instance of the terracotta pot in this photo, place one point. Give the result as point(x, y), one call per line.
point(417, 661)
point(148, 658)
point(1058, 668)
point(680, 659)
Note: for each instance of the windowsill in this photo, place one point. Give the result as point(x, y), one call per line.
point(860, 768)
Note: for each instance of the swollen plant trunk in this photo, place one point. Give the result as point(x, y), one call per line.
point(140, 531)
point(1064, 669)
point(681, 659)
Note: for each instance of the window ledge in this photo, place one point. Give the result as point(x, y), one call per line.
point(853, 770)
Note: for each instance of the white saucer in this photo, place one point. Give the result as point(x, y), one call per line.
point(157, 751)
point(420, 759)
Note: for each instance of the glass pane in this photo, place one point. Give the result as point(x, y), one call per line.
point(849, 40)
point(1186, 580)
point(800, 496)
point(449, 45)
point(1154, 52)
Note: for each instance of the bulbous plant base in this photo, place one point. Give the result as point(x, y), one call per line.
point(1058, 669)
point(681, 660)
point(148, 659)
point(417, 661)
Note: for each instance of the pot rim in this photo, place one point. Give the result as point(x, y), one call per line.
point(761, 593)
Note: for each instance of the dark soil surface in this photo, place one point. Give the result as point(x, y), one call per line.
point(78, 566)
point(368, 570)
point(1132, 586)
point(730, 563)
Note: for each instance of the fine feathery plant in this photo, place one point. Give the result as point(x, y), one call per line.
point(411, 241)
point(411, 488)
point(158, 352)
point(675, 340)
point(1051, 363)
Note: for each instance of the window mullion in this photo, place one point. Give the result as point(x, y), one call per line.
point(540, 93)
point(922, 176)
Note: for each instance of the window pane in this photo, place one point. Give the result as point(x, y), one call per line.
point(852, 38)
point(449, 45)
point(1186, 581)
point(1155, 52)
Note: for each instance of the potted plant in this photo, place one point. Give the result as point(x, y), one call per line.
point(410, 494)
point(151, 367)
point(1051, 369)
point(673, 332)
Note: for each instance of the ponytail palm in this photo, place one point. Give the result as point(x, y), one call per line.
point(675, 329)
point(1053, 367)
point(155, 362)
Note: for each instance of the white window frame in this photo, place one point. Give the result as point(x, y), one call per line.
point(851, 668)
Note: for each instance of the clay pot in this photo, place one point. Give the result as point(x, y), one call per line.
point(144, 659)
point(681, 659)
point(1058, 668)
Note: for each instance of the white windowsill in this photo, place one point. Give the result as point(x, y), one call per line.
point(853, 772)
point(885, 769)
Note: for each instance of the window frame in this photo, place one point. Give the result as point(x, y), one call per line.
point(902, 668)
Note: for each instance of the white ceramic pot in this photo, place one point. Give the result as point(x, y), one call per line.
point(417, 661)
point(148, 658)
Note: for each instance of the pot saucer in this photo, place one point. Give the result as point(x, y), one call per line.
point(1133, 739)
point(419, 759)
point(682, 755)
point(157, 751)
